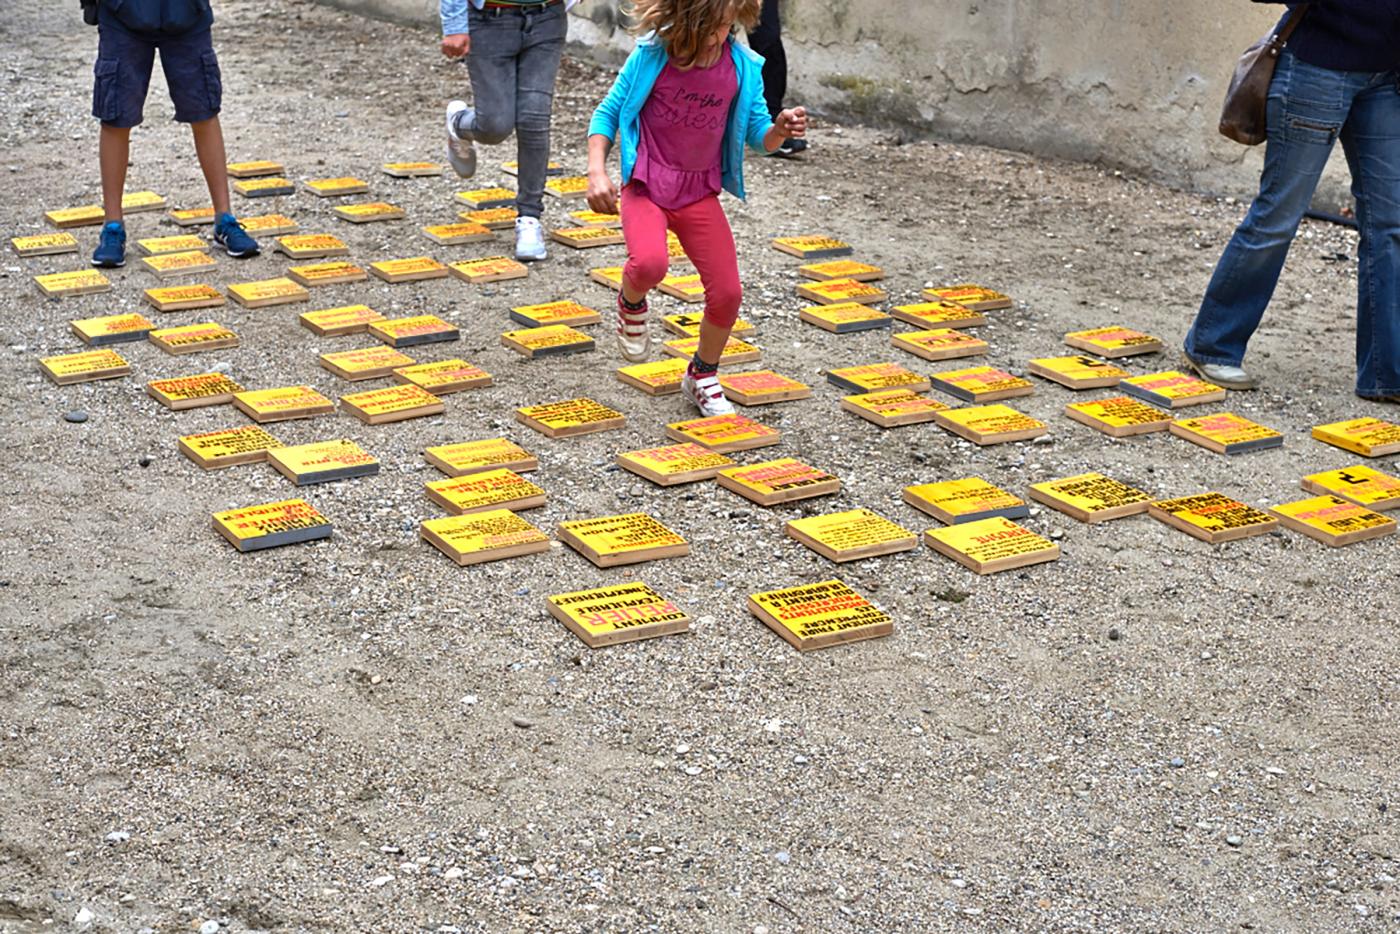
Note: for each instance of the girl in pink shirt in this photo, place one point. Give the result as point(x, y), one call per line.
point(684, 105)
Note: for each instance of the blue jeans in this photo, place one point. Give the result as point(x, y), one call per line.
point(1310, 108)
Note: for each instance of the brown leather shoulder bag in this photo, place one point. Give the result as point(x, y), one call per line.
point(1244, 117)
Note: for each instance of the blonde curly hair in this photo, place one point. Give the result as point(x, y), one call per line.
point(683, 26)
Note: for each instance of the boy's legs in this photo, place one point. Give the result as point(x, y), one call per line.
point(121, 77)
point(213, 161)
point(541, 46)
point(113, 155)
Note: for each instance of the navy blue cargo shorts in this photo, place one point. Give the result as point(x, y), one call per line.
point(122, 74)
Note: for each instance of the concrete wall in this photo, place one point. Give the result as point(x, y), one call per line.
point(1133, 84)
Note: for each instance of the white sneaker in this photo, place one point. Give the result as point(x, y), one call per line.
point(633, 337)
point(706, 393)
point(529, 240)
point(1226, 377)
point(460, 151)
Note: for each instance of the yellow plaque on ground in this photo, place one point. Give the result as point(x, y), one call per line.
point(656, 377)
point(443, 377)
point(483, 199)
point(193, 392)
point(974, 297)
point(332, 273)
point(491, 218)
point(873, 376)
point(844, 317)
point(550, 340)
point(1360, 484)
point(812, 246)
point(841, 269)
point(266, 292)
point(273, 186)
point(336, 187)
point(78, 282)
point(136, 202)
point(195, 217)
point(414, 330)
point(269, 225)
point(570, 417)
point(112, 329)
point(89, 215)
point(840, 291)
point(686, 325)
point(478, 537)
point(411, 269)
point(991, 545)
point(1120, 416)
point(457, 234)
point(310, 246)
point(513, 168)
point(1212, 517)
point(815, 616)
point(489, 269)
point(172, 265)
point(347, 319)
point(369, 212)
point(631, 538)
point(282, 403)
point(852, 535)
point(193, 338)
point(595, 219)
point(938, 315)
point(180, 243)
point(1333, 521)
point(990, 424)
point(1171, 390)
point(762, 387)
point(675, 251)
point(778, 481)
point(84, 367)
point(228, 447)
point(892, 408)
point(1077, 372)
point(255, 169)
point(1091, 497)
point(970, 499)
point(611, 276)
point(1226, 433)
point(322, 461)
point(586, 238)
point(45, 244)
point(411, 169)
point(365, 362)
point(724, 433)
point(184, 297)
point(690, 289)
point(1113, 342)
point(939, 344)
point(567, 313)
point(1369, 437)
point(981, 384)
point(735, 351)
point(567, 186)
point(271, 525)
point(674, 464)
point(469, 457)
point(619, 613)
point(498, 488)
point(392, 404)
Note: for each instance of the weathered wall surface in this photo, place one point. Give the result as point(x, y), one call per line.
point(1133, 84)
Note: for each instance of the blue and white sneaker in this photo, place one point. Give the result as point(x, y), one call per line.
point(111, 246)
point(230, 235)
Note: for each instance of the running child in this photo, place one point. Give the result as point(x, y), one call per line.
point(684, 105)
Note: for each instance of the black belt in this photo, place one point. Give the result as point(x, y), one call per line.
point(496, 9)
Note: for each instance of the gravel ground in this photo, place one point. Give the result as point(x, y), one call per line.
point(1150, 734)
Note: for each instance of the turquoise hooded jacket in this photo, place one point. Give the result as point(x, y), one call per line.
point(619, 115)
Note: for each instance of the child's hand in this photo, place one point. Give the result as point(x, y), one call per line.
point(457, 45)
point(792, 122)
point(602, 193)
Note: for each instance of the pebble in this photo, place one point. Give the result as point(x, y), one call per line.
point(144, 460)
point(209, 927)
point(693, 770)
point(118, 836)
point(1177, 762)
point(799, 760)
point(456, 872)
point(1113, 634)
point(1235, 839)
point(84, 916)
point(1043, 439)
point(783, 857)
point(380, 882)
point(77, 416)
point(522, 722)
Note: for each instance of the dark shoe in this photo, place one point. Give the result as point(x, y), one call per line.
point(111, 246)
point(230, 235)
point(1384, 397)
point(790, 147)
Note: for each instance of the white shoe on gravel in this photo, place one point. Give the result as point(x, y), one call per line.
point(706, 393)
point(633, 337)
point(529, 240)
point(1226, 377)
point(460, 151)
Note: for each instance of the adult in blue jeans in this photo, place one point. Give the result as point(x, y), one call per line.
point(1338, 79)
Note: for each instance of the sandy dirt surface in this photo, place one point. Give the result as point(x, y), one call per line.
point(359, 735)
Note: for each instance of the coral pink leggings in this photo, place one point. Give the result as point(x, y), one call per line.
point(704, 233)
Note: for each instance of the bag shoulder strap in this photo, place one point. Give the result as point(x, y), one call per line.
point(1295, 19)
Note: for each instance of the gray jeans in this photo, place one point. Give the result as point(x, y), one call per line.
point(513, 63)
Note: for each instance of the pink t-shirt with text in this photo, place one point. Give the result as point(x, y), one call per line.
point(679, 158)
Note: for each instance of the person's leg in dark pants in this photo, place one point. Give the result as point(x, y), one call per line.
point(767, 40)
